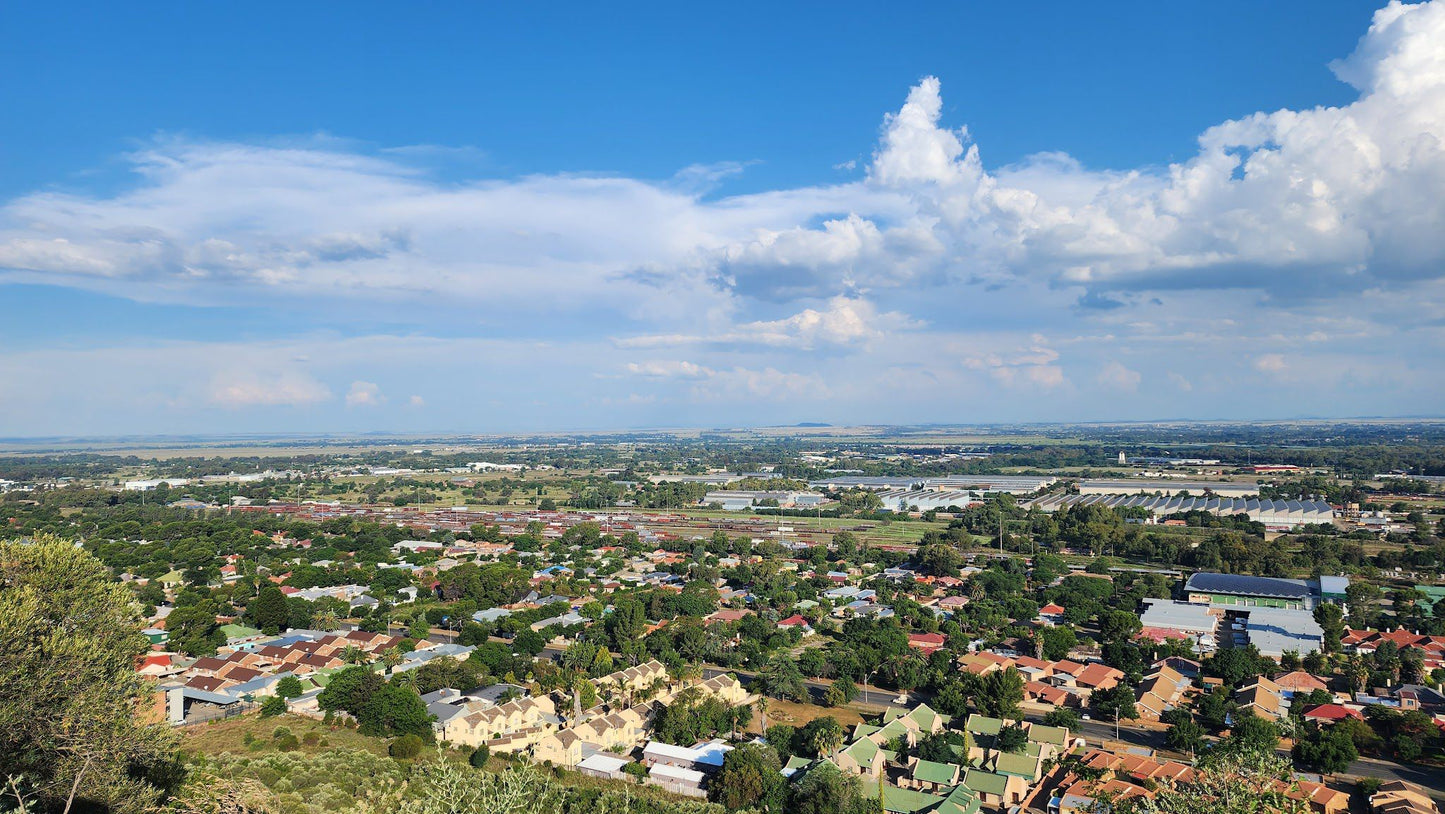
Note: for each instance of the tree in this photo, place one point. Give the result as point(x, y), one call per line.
point(193, 629)
point(1065, 717)
point(842, 692)
point(782, 679)
point(1325, 749)
point(273, 705)
point(405, 747)
point(1184, 736)
point(1011, 738)
point(1253, 732)
point(1000, 693)
point(1115, 703)
point(826, 790)
point(750, 778)
point(939, 560)
point(395, 710)
point(783, 738)
point(69, 693)
point(289, 687)
point(821, 736)
point(269, 611)
point(1332, 621)
point(349, 690)
point(1224, 782)
point(1058, 641)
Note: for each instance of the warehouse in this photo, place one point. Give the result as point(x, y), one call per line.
point(1168, 487)
point(904, 500)
point(1274, 514)
point(1241, 591)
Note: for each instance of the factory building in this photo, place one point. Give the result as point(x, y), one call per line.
point(1168, 487)
point(1274, 514)
point(1242, 591)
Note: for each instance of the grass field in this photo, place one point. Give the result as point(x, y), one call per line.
point(798, 715)
point(230, 736)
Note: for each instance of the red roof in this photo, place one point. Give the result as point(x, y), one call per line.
point(1331, 712)
point(793, 621)
point(1051, 610)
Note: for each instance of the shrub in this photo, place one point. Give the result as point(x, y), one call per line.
point(479, 757)
point(289, 743)
point(280, 732)
point(272, 706)
point(637, 770)
point(311, 738)
point(405, 747)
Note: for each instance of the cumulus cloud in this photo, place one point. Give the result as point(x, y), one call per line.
point(1116, 376)
point(364, 394)
point(843, 322)
point(1286, 238)
point(1270, 363)
point(1331, 197)
point(250, 388)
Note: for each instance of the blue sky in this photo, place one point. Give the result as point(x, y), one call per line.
point(493, 218)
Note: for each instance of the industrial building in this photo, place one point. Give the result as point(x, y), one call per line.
point(1012, 484)
point(903, 500)
point(1274, 514)
point(1242, 591)
point(1276, 631)
point(739, 501)
point(1168, 487)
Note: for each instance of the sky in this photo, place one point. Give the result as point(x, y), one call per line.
point(478, 218)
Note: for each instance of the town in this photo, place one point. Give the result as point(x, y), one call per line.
point(795, 636)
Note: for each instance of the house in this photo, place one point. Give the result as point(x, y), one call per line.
point(1265, 698)
point(928, 775)
point(796, 621)
point(1299, 681)
point(604, 766)
point(996, 790)
point(926, 642)
point(1399, 797)
point(676, 780)
point(1160, 692)
point(1051, 615)
point(1331, 713)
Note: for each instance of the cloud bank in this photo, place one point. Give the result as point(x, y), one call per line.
point(1045, 275)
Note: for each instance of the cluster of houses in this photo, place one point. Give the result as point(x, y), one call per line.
point(597, 740)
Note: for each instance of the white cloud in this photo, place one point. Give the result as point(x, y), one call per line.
point(1116, 376)
point(1318, 200)
point(364, 394)
point(1270, 363)
point(250, 388)
point(416, 401)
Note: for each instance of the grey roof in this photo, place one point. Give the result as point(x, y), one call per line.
point(1242, 584)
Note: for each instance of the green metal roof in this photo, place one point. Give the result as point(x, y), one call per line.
point(933, 772)
point(907, 801)
point(1055, 735)
point(983, 725)
point(1020, 765)
point(924, 716)
point(985, 782)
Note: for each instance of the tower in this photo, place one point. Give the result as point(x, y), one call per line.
point(1122, 459)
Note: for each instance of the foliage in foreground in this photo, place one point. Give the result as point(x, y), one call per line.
point(352, 780)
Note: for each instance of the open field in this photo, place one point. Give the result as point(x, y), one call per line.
point(230, 736)
point(798, 715)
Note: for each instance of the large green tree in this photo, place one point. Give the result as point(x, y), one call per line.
point(269, 611)
point(750, 778)
point(71, 703)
